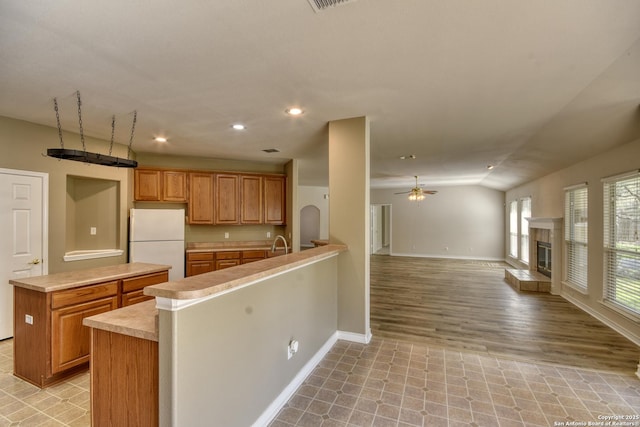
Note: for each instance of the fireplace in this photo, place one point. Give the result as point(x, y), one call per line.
point(544, 258)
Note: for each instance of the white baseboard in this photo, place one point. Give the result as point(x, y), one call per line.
point(622, 331)
point(354, 337)
point(469, 258)
point(270, 413)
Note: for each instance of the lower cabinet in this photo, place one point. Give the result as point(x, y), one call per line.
point(200, 262)
point(204, 262)
point(55, 344)
point(227, 259)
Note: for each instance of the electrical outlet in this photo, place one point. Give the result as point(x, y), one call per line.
point(28, 319)
point(268, 234)
point(93, 231)
point(292, 348)
point(226, 235)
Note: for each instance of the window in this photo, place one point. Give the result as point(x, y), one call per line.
point(513, 229)
point(575, 235)
point(622, 242)
point(525, 212)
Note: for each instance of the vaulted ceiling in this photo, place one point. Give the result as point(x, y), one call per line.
point(525, 86)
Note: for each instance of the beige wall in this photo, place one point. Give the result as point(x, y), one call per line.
point(229, 353)
point(457, 222)
point(22, 145)
point(349, 219)
point(547, 200)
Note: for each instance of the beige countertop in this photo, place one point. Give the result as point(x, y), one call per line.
point(231, 246)
point(138, 320)
point(218, 281)
point(74, 279)
point(141, 320)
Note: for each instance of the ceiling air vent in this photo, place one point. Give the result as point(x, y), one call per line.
point(320, 5)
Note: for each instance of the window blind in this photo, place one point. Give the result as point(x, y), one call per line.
point(576, 203)
point(622, 242)
point(525, 212)
point(513, 229)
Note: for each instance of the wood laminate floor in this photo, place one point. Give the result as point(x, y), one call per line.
point(467, 305)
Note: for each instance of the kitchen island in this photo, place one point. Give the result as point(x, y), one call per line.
point(147, 330)
point(50, 341)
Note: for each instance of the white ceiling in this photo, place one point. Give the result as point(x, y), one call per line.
point(528, 86)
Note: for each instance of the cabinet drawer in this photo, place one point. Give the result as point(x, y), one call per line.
point(253, 254)
point(228, 255)
point(227, 263)
point(140, 282)
point(200, 256)
point(134, 297)
point(83, 294)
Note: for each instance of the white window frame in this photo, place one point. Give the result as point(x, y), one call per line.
point(513, 229)
point(621, 243)
point(524, 230)
point(576, 243)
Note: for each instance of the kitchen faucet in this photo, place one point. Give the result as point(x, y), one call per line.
point(273, 247)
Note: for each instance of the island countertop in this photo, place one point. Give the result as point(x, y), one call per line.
point(218, 281)
point(74, 279)
point(137, 320)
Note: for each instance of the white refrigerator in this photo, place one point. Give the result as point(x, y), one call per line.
point(157, 236)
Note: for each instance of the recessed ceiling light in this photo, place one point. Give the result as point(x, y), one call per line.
point(294, 111)
point(239, 126)
point(271, 150)
point(160, 139)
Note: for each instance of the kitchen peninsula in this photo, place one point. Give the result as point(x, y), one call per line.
point(243, 293)
point(50, 342)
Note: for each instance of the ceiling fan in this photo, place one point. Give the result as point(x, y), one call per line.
point(417, 193)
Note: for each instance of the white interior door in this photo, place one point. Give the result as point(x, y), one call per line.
point(23, 225)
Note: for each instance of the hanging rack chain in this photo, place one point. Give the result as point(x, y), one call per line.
point(84, 148)
point(113, 131)
point(133, 128)
point(55, 107)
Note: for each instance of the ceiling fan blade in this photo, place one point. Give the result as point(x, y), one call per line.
point(404, 192)
point(429, 191)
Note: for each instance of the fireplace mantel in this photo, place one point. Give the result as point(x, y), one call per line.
point(545, 223)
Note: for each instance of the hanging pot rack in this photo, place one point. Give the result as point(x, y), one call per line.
point(86, 156)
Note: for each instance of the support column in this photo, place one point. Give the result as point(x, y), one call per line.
point(349, 222)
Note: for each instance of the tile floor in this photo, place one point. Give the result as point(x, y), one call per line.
point(390, 383)
point(387, 383)
point(22, 404)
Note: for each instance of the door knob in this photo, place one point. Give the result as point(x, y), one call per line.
point(36, 261)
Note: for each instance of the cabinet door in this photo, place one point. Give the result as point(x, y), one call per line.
point(147, 185)
point(226, 263)
point(174, 188)
point(200, 198)
point(251, 199)
point(70, 339)
point(226, 199)
point(275, 200)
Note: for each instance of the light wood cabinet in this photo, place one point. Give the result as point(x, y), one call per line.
point(174, 186)
point(200, 262)
point(227, 200)
point(275, 200)
point(158, 185)
point(227, 259)
point(251, 199)
point(200, 198)
point(147, 185)
point(56, 345)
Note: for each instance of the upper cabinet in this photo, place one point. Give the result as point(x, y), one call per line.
point(157, 185)
point(275, 188)
point(227, 199)
point(216, 198)
point(251, 199)
point(200, 198)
